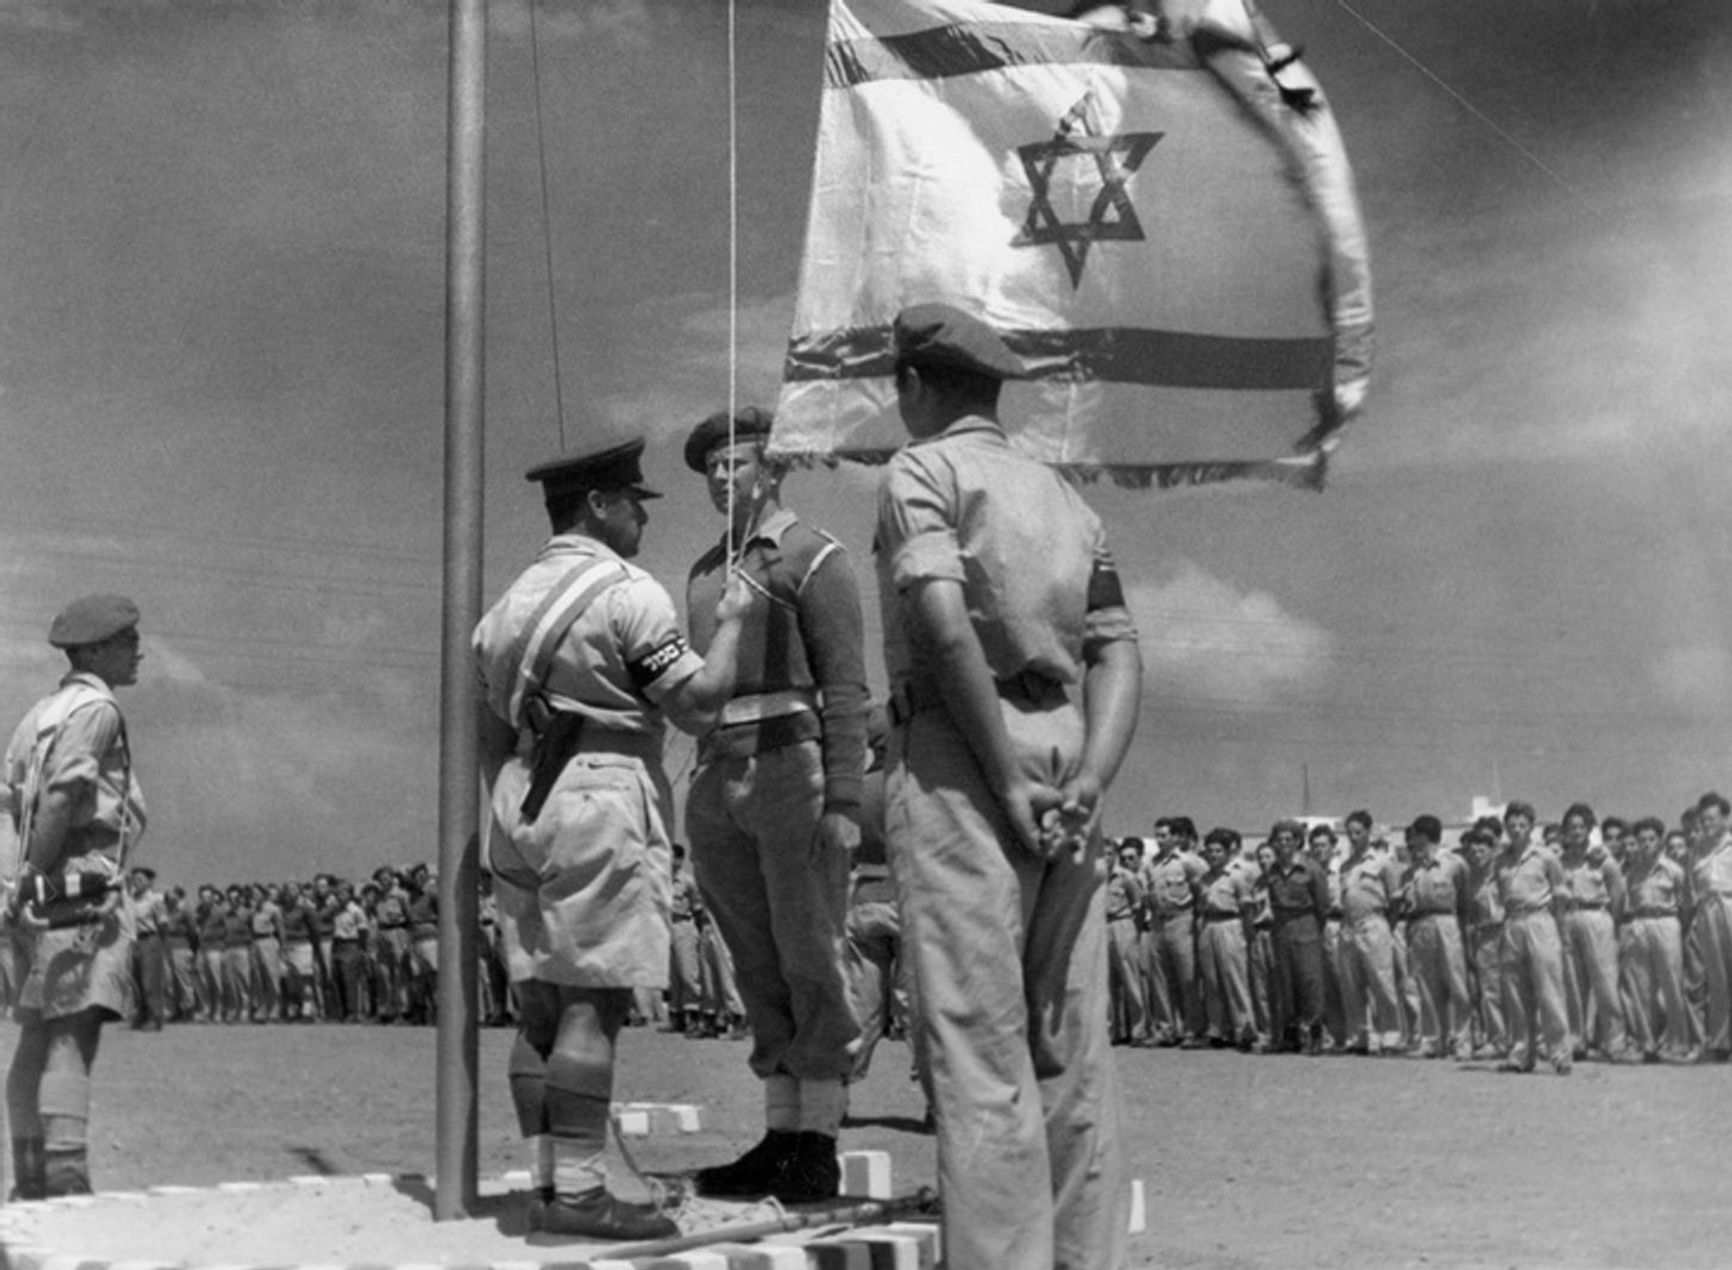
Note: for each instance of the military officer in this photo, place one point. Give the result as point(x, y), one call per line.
point(77, 810)
point(580, 661)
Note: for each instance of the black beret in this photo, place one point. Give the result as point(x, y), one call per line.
point(749, 422)
point(91, 620)
point(616, 467)
point(943, 335)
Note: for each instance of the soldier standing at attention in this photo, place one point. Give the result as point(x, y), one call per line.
point(179, 950)
point(1015, 683)
point(1593, 903)
point(774, 809)
point(1435, 898)
point(1530, 881)
point(1299, 903)
point(1226, 907)
point(1170, 878)
point(1322, 845)
point(1651, 947)
point(1370, 895)
point(580, 660)
point(1711, 924)
point(211, 924)
point(149, 962)
point(1484, 937)
point(1124, 945)
point(77, 811)
point(301, 955)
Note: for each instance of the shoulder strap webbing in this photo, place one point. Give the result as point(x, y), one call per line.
point(553, 617)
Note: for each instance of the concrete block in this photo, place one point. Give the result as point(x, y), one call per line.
point(866, 1174)
point(839, 1252)
point(927, 1235)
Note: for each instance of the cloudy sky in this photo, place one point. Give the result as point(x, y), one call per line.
point(221, 242)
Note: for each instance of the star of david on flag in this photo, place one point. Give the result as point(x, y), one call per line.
point(1113, 215)
point(1164, 229)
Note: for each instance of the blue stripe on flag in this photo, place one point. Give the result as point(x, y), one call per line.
point(1128, 355)
point(945, 51)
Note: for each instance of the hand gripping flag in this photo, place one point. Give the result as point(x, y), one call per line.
point(1160, 219)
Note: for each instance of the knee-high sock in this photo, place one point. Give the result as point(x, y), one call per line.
point(527, 1072)
point(782, 1103)
point(23, 1081)
point(579, 1101)
point(822, 1105)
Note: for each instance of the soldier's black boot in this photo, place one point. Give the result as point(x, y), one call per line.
point(812, 1173)
point(755, 1172)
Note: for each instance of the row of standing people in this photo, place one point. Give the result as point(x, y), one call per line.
point(1586, 940)
point(261, 953)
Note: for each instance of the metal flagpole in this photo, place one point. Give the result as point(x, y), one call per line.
point(459, 790)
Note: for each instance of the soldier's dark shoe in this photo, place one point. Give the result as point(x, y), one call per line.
point(811, 1174)
point(65, 1172)
point(755, 1172)
point(597, 1214)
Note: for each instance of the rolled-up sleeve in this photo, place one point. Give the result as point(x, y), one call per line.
point(917, 524)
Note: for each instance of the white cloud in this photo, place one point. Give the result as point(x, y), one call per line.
point(1206, 641)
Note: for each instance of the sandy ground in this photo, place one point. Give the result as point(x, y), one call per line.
point(1247, 1161)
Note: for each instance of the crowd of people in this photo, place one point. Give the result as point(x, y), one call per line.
point(1515, 943)
point(329, 951)
point(281, 952)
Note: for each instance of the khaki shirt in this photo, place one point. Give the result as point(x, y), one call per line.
point(616, 663)
point(1031, 557)
point(1590, 882)
point(1527, 882)
point(1657, 891)
point(87, 759)
point(1230, 890)
point(1369, 887)
point(1170, 880)
point(1439, 887)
